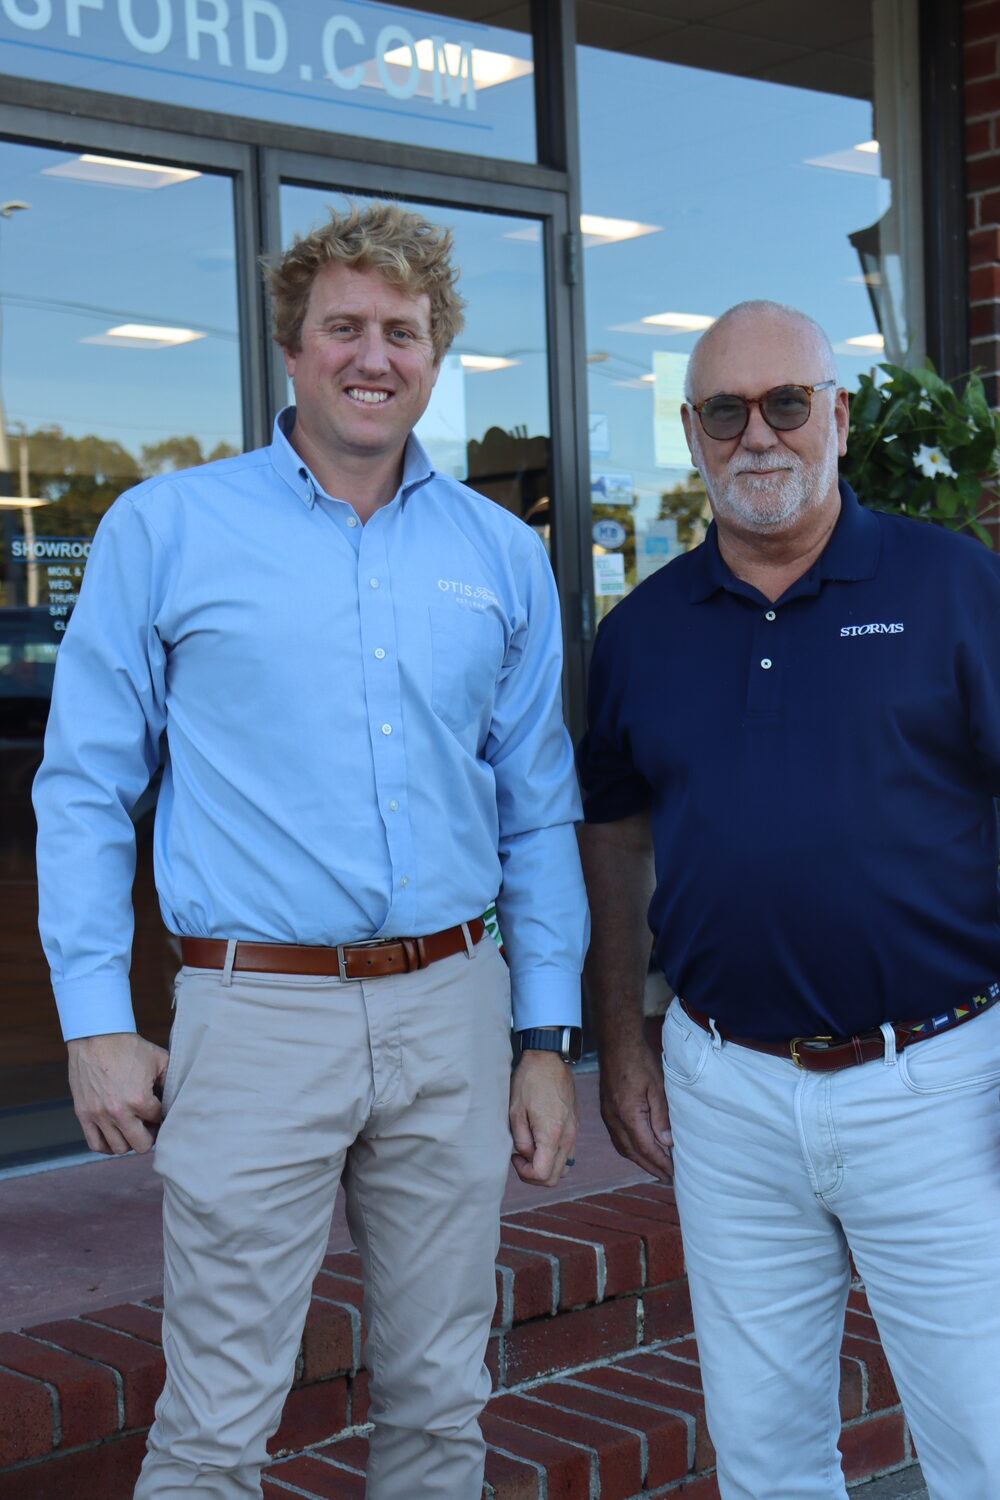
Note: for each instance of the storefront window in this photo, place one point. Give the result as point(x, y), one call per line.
point(119, 359)
point(358, 68)
point(710, 188)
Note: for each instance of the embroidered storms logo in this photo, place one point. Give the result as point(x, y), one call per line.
point(896, 629)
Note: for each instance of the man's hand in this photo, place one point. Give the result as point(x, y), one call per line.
point(543, 1117)
point(115, 1080)
point(634, 1108)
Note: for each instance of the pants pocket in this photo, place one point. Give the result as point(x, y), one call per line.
point(686, 1047)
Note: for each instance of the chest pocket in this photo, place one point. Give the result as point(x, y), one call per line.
point(467, 651)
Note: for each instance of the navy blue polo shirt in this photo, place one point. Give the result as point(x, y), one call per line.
point(820, 774)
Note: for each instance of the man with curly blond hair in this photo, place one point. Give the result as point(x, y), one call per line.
point(352, 663)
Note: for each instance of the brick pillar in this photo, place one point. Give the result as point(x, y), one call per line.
point(981, 27)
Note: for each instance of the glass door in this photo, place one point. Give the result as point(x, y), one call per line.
point(119, 359)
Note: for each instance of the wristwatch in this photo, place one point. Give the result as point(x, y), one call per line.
point(566, 1040)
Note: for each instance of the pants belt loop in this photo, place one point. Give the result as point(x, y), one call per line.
point(889, 1060)
point(470, 951)
point(227, 968)
point(716, 1038)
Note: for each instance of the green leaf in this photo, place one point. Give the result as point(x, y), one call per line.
point(969, 488)
point(865, 405)
point(975, 400)
point(932, 380)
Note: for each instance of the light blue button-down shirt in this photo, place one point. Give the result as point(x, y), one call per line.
point(363, 729)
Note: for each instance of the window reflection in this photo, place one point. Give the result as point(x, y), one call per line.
point(731, 187)
point(118, 360)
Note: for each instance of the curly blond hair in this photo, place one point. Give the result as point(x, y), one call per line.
point(406, 249)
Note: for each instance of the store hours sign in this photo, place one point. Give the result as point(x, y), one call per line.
point(54, 566)
point(339, 67)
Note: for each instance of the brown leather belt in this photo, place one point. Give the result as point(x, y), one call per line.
point(371, 960)
point(825, 1054)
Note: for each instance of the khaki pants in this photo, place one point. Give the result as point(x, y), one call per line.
point(276, 1089)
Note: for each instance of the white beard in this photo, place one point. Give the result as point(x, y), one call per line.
point(763, 502)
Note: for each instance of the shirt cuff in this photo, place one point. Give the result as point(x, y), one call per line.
point(545, 997)
point(94, 1006)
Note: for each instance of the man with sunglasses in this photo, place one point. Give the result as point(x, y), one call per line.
point(792, 758)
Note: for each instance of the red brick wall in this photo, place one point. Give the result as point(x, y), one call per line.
point(981, 26)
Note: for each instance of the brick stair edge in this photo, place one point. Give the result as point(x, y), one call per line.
point(80, 1383)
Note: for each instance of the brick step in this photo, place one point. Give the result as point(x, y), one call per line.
point(598, 1391)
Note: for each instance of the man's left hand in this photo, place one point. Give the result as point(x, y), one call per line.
point(543, 1117)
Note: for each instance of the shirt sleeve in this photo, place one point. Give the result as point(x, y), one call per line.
point(612, 787)
point(102, 746)
point(542, 906)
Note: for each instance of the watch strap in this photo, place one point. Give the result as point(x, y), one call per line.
point(566, 1040)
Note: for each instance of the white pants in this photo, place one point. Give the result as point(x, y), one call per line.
point(277, 1087)
point(779, 1173)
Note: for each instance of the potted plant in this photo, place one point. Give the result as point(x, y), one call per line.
point(920, 448)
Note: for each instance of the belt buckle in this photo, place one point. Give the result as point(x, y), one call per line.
point(363, 943)
point(342, 948)
point(797, 1041)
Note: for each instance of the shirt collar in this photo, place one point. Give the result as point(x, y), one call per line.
point(417, 467)
point(851, 554)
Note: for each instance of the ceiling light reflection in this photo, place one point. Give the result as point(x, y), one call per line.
point(862, 158)
point(114, 171)
point(488, 68)
point(486, 362)
point(596, 229)
point(144, 336)
point(681, 322)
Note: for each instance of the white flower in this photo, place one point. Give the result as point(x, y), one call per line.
point(932, 462)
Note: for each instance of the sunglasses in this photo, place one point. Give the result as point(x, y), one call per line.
point(784, 408)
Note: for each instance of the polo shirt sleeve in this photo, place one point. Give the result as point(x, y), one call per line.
point(612, 786)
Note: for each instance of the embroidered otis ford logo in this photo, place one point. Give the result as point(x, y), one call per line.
point(896, 629)
point(477, 595)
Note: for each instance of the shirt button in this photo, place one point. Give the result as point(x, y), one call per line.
point(770, 615)
point(373, 582)
point(404, 880)
point(352, 520)
point(387, 728)
point(379, 653)
point(393, 804)
point(766, 663)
